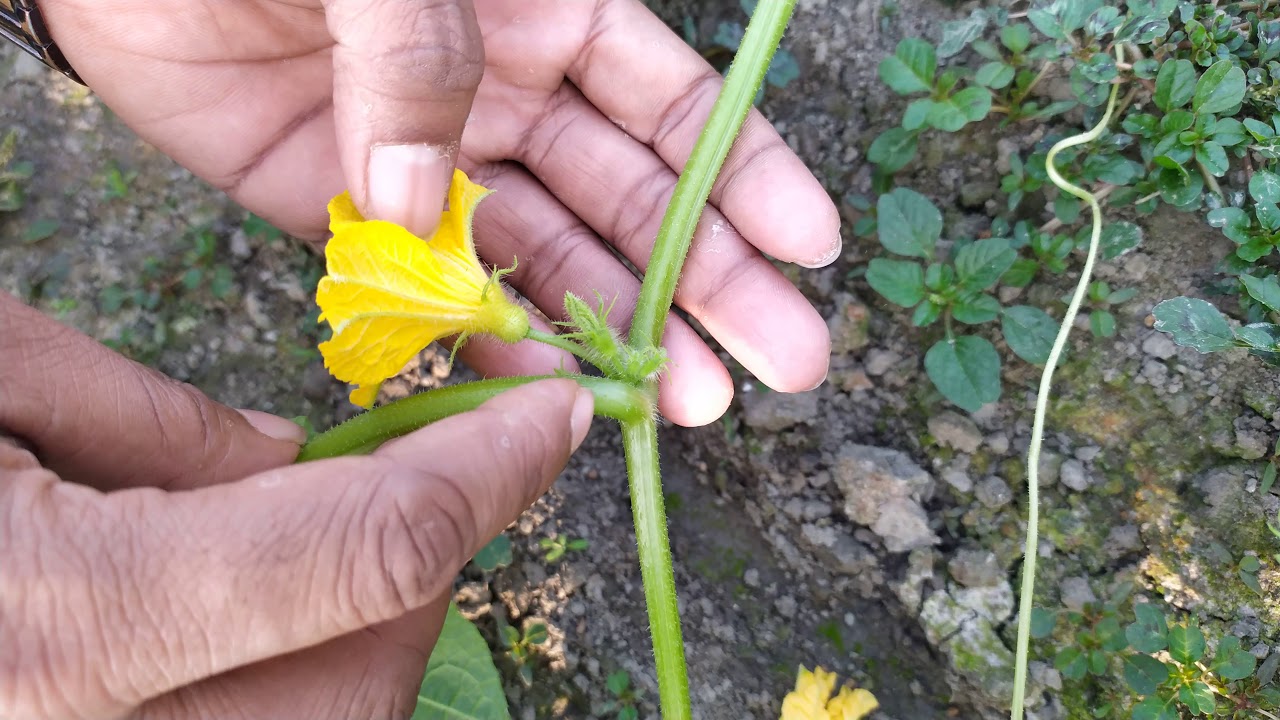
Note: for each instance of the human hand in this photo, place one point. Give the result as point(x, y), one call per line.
point(190, 572)
point(584, 113)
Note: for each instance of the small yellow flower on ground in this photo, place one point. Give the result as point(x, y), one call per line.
point(388, 294)
point(811, 700)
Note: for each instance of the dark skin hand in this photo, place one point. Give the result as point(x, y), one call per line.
point(581, 115)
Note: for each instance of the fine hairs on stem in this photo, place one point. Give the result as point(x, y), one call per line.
point(1027, 594)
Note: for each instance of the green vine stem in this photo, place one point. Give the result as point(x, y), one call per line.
point(675, 236)
point(1027, 595)
point(365, 432)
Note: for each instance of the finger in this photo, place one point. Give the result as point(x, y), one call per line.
point(558, 253)
point(405, 73)
point(372, 673)
point(660, 91)
point(138, 592)
point(620, 188)
point(95, 417)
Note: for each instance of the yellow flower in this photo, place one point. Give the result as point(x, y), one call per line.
point(388, 294)
point(811, 700)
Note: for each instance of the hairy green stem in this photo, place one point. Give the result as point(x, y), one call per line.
point(640, 440)
point(365, 432)
point(694, 186)
point(1027, 595)
point(554, 340)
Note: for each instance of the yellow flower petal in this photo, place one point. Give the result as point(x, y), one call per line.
point(388, 294)
point(851, 704)
point(809, 700)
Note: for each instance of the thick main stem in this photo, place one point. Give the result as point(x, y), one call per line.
point(640, 440)
point(1027, 594)
point(694, 186)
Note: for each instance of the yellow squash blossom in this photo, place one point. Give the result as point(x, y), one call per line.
point(388, 293)
point(811, 700)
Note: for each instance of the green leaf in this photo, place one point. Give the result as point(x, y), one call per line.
point(976, 309)
point(1029, 332)
point(901, 282)
point(909, 224)
point(1186, 643)
point(1015, 37)
point(1155, 708)
point(618, 682)
point(1144, 674)
point(980, 264)
point(926, 314)
point(1175, 84)
point(40, 230)
point(1072, 663)
point(1250, 581)
point(1179, 187)
point(1221, 88)
point(1118, 238)
point(994, 75)
point(1059, 18)
point(966, 371)
point(461, 682)
point(1020, 273)
point(1148, 632)
point(1042, 623)
point(1199, 698)
point(1231, 662)
point(893, 149)
point(1268, 215)
point(956, 34)
point(1264, 186)
point(1268, 479)
point(1102, 323)
point(1213, 157)
point(494, 555)
point(911, 67)
point(1234, 222)
point(1194, 323)
point(1264, 290)
point(536, 633)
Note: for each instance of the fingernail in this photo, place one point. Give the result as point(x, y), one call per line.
point(274, 426)
point(407, 186)
point(818, 384)
point(826, 259)
point(584, 406)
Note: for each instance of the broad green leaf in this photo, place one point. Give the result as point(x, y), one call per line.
point(1015, 37)
point(1021, 273)
point(926, 314)
point(1155, 708)
point(1186, 643)
point(1199, 698)
point(1029, 332)
point(1179, 187)
point(1148, 632)
point(1264, 290)
point(1144, 674)
point(618, 682)
point(40, 230)
point(957, 34)
point(981, 263)
point(494, 555)
point(1118, 238)
point(994, 75)
point(461, 682)
point(1231, 662)
point(1042, 623)
point(1194, 323)
point(1102, 323)
point(901, 282)
point(1234, 222)
point(976, 310)
point(1268, 215)
point(1251, 581)
point(1175, 84)
point(1258, 129)
point(893, 149)
point(1221, 88)
point(1264, 187)
point(966, 371)
point(1229, 132)
point(1213, 157)
point(1072, 663)
point(911, 67)
point(917, 113)
point(1057, 19)
point(908, 223)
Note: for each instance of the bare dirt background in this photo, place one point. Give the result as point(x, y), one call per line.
point(866, 526)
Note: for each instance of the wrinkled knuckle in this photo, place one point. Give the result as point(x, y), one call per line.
point(420, 529)
point(442, 55)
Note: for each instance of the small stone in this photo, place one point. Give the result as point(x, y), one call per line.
point(786, 606)
point(976, 568)
point(998, 443)
point(879, 361)
point(1159, 345)
point(240, 247)
point(1088, 453)
point(848, 325)
point(1050, 468)
point(1076, 593)
point(1122, 540)
point(751, 578)
point(904, 526)
point(957, 476)
point(868, 477)
point(1073, 475)
point(993, 492)
point(976, 193)
point(953, 430)
point(317, 383)
point(774, 411)
point(1252, 440)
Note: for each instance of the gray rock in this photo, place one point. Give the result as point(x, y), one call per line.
point(774, 411)
point(869, 477)
point(904, 526)
point(957, 475)
point(1252, 439)
point(1050, 467)
point(848, 324)
point(1073, 475)
point(879, 361)
point(1087, 453)
point(998, 442)
point(993, 492)
point(1159, 345)
point(976, 568)
point(953, 430)
point(1076, 593)
point(1122, 540)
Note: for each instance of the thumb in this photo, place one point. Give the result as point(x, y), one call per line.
point(405, 74)
point(183, 586)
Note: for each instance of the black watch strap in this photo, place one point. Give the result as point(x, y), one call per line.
point(21, 24)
